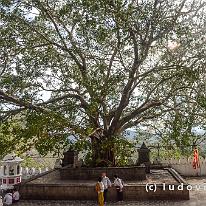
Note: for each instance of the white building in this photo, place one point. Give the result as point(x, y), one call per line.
point(11, 171)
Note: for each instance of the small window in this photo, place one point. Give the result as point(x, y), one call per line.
point(11, 170)
point(11, 181)
point(18, 169)
point(4, 170)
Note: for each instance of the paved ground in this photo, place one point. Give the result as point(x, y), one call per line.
point(197, 198)
point(147, 203)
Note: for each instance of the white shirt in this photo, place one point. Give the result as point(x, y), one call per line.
point(16, 195)
point(8, 199)
point(107, 183)
point(118, 183)
point(101, 187)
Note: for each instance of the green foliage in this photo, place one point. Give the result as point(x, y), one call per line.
point(47, 132)
point(8, 140)
point(166, 152)
point(123, 150)
point(104, 65)
point(30, 162)
point(38, 162)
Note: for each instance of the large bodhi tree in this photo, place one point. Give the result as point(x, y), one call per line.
point(107, 65)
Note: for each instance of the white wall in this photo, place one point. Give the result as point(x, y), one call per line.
point(184, 166)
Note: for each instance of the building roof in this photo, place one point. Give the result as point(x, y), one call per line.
point(11, 158)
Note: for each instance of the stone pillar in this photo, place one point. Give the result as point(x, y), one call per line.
point(144, 157)
point(70, 159)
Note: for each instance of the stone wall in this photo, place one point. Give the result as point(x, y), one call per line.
point(84, 192)
point(126, 173)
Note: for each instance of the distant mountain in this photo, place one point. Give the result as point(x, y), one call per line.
point(130, 134)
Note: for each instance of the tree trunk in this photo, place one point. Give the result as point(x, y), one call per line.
point(102, 151)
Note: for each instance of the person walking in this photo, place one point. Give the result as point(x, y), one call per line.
point(119, 188)
point(107, 184)
point(100, 191)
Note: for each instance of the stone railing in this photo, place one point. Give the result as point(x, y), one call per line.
point(31, 172)
point(184, 166)
point(28, 172)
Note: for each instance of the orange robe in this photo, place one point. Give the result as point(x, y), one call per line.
point(196, 163)
point(100, 192)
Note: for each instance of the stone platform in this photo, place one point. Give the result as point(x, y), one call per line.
point(84, 173)
point(51, 187)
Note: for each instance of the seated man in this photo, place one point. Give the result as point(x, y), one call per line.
point(7, 198)
point(15, 195)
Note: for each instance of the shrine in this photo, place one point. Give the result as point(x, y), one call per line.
point(11, 171)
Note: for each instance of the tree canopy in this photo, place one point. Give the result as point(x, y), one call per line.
point(104, 66)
